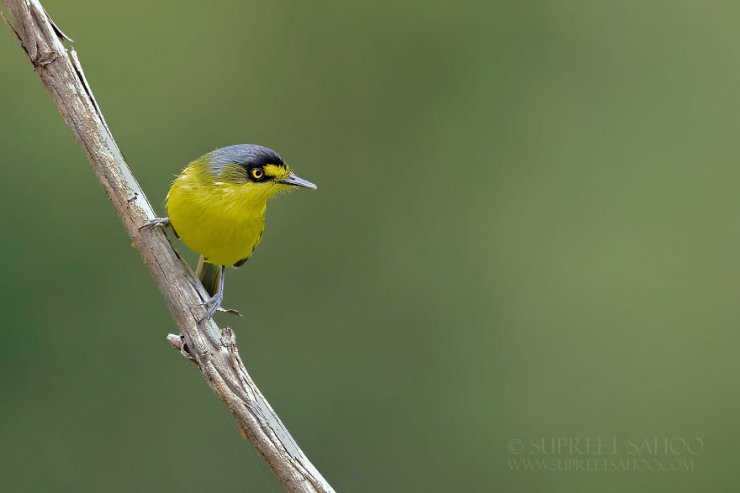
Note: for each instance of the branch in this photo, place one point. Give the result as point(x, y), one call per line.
point(212, 349)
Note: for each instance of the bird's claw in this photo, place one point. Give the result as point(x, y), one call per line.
point(157, 222)
point(213, 304)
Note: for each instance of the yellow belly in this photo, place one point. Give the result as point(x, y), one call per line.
point(220, 221)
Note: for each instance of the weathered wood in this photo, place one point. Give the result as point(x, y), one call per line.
point(212, 349)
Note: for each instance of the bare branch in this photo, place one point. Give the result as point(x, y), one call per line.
point(213, 350)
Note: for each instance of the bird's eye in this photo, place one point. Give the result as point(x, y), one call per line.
point(257, 173)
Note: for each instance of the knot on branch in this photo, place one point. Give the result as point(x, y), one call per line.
point(44, 58)
point(228, 338)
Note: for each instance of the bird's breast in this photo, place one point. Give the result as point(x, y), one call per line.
point(219, 221)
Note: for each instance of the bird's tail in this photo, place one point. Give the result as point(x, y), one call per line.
point(209, 275)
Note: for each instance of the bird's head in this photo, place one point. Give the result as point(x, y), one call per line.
point(256, 170)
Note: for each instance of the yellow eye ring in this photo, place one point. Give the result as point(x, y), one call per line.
point(257, 173)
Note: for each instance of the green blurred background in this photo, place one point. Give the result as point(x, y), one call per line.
point(527, 227)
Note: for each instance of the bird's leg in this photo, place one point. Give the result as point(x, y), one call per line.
point(157, 222)
point(214, 303)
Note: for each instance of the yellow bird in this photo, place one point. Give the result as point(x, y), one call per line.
point(217, 205)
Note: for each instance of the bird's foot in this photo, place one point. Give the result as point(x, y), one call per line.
point(214, 305)
point(157, 222)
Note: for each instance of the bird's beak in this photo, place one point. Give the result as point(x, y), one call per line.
point(292, 179)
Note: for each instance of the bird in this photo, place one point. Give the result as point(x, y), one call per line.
point(217, 205)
